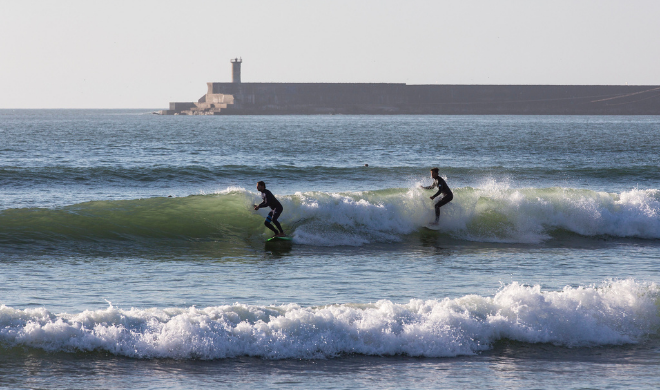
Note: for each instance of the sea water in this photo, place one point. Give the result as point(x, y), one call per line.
point(130, 255)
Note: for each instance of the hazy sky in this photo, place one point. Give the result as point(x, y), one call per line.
point(144, 54)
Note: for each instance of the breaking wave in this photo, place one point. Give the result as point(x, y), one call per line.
point(493, 213)
point(616, 312)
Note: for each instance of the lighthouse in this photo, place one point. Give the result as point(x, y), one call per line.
point(236, 70)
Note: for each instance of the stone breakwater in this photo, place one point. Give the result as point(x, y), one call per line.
point(401, 99)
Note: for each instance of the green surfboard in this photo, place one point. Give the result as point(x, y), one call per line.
point(279, 239)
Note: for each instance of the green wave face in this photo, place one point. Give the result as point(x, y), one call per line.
point(193, 217)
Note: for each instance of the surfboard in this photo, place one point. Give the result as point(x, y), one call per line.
point(432, 227)
point(285, 238)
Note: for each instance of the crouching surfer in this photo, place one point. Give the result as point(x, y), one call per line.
point(276, 208)
point(443, 189)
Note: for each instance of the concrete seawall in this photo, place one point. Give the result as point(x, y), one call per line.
point(392, 99)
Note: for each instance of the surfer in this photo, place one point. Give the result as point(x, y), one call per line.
point(276, 208)
point(443, 189)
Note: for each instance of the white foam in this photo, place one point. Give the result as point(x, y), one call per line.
point(615, 312)
point(352, 218)
point(494, 213)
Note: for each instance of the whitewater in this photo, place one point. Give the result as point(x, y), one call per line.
point(130, 255)
point(614, 313)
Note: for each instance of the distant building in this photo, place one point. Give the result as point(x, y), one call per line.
point(238, 98)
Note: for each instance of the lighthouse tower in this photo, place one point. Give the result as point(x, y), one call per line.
point(236, 70)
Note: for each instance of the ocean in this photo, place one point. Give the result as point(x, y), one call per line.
point(131, 257)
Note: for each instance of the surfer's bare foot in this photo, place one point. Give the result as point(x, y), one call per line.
point(280, 235)
point(434, 223)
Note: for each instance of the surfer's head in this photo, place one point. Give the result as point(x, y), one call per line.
point(261, 186)
point(434, 172)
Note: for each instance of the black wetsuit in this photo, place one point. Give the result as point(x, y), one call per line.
point(443, 189)
point(276, 209)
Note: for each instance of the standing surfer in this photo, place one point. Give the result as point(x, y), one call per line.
point(276, 208)
point(443, 189)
